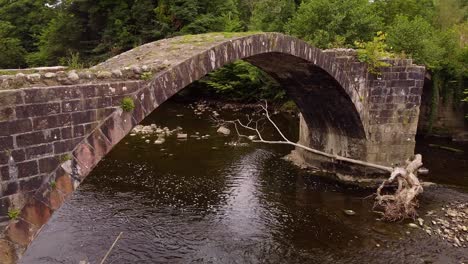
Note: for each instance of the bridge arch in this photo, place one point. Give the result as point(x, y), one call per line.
point(328, 98)
point(344, 109)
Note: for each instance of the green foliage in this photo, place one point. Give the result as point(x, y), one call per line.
point(53, 185)
point(243, 81)
point(323, 22)
point(289, 106)
point(127, 104)
point(11, 52)
point(373, 52)
point(72, 61)
point(417, 38)
point(65, 158)
point(28, 18)
point(390, 9)
point(436, 87)
point(271, 15)
point(13, 214)
point(60, 38)
point(450, 13)
point(146, 76)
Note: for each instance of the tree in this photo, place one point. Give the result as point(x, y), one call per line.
point(60, 37)
point(417, 38)
point(325, 22)
point(28, 18)
point(11, 52)
point(243, 81)
point(450, 13)
point(390, 9)
point(271, 15)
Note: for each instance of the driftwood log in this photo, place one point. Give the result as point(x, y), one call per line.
point(403, 203)
point(397, 206)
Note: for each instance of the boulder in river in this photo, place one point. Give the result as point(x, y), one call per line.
point(224, 130)
point(182, 136)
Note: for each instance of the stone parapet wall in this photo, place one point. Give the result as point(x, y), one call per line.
point(73, 77)
point(40, 127)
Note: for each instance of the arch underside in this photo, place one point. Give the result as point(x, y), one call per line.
point(334, 125)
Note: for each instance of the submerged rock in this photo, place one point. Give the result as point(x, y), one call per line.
point(349, 212)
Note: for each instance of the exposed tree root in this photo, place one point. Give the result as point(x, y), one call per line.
point(403, 203)
point(400, 205)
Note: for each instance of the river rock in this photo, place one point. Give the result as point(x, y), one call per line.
point(182, 136)
point(223, 130)
point(349, 212)
point(159, 141)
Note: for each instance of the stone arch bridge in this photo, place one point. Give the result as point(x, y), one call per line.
point(56, 126)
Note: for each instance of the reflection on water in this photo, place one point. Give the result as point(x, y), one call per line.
point(200, 201)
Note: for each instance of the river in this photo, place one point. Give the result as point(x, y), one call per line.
point(202, 201)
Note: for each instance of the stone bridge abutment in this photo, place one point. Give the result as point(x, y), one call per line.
point(56, 127)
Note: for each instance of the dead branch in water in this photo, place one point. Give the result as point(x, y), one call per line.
point(400, 205)
point(110, 249)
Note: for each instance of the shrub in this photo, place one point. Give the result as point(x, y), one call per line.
point(127, 104)
point(13, 214)
point(373, 52)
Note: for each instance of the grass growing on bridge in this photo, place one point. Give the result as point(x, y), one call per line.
point(127, 104)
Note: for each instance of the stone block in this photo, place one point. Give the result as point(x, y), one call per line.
point(27, 168)
point(40, 95)
point(39, 137)
point(79, 131)
point(86, 158)
point(33, 110)
point(84, 117)
point(7, 113)
point(38, 151)
point(67, 132)
point(7, 252)
point(49, 164)
point(99, 142)
point(11, 97)
point(72, 106)
point(36, 213)
point(65, 146)
point(117, 126)
point(10, 188)
point(88, 91)
point(21, 232)
point(8, 128)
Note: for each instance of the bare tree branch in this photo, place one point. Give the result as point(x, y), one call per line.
point(395, 206)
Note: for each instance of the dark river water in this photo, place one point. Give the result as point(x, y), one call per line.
point(201, 201)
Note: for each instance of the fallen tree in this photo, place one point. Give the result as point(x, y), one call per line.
point(400, 204)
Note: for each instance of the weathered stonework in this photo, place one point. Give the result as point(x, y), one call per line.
point(52, 137)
